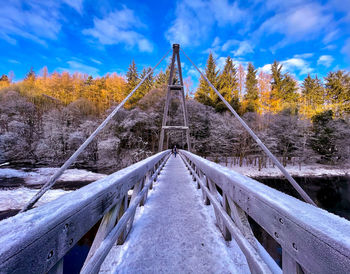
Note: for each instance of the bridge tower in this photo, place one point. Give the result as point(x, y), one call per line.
point(174, 90)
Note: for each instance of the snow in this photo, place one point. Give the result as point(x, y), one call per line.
point(40, 175)
point(10, 172)
point(175, 233)
point(332, 229)
point(315, 170)
point(17, 198)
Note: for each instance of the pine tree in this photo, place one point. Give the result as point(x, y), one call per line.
point(283, 90)
point(277, 80)
point(312, 96)
point(4, 81)
point(228, 87)
point(30, 74)
point(161, 80)
point(204, 93)
point(132, 78)
point(251, 97)
point(323, 138)
point(338, 91)
point(144, 88)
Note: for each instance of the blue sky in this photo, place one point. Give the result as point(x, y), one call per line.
point(97, 37)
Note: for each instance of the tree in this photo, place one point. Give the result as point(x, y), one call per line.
point(283, 90)
point(264, 87)
point(161, 80)
point(132, 77)
point(144, 88)
point(4, 81)
point(228, 87)
point(312, 96)
point(323, 138)
point(338, 92)
point(241, 80)
point(205, 93)
point(30, 74)
point(251, 97)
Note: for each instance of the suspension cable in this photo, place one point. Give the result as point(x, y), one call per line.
point(256, 138)
point(59, 172)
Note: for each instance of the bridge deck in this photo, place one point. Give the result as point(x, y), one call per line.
point(175, 233)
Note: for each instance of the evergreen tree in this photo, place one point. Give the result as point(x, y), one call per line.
point(204, 93)
point(283, 90)
point(144, 88)
point(132, 77)
point(338, 91)
point(277, 79)
point(312, 95)
point(30, 74)
point(161, 80)
point(228, 87)
point(251, 97)
point(4, 78)
point(323, 138)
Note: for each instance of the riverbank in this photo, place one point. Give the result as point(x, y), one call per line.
point(18, 186)
point(310, 170)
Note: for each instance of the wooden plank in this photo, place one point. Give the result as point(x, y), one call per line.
point(107, 224)
point(58, 268)
point(316, 239)
point(289, 265)
point(39, 238)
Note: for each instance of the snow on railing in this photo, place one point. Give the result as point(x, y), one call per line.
point(312, 239)
point(37, 240)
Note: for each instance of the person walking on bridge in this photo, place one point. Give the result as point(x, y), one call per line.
point(175, 151)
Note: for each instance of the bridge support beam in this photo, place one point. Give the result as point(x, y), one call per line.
point(175, 88)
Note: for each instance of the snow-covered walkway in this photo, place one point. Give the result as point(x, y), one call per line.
point(175, 233)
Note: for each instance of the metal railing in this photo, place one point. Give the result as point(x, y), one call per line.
point(38, 239)
point(312, 239)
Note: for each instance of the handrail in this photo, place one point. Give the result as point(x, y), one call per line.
point(256, 138)
point(311, 238)
point(38, 239)
point(51, 181)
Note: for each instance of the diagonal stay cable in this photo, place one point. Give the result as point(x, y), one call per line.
point(59, 172)
point(256, 138)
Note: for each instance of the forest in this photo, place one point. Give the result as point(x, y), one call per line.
point(45, 117)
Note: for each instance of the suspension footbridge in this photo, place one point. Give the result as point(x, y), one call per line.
point(175, 235)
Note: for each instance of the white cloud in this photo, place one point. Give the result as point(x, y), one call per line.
point(325, 60)
point(75, 4)
point(196, 18)
point(303, 55)
point(300, 22)
point(244, 48)
point(228, 44)
point(266, 68)
point(119, 27)
point(346, 48)
point(13, 61)
point(96, 61)
point(296, 65)
point(75, 66)
point(39, 20)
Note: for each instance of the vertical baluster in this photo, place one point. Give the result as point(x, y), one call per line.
point(107, 224)
point(123, 208)
point(289, 265)
point(225, 232)
point(57, 268)
point(206, 199)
